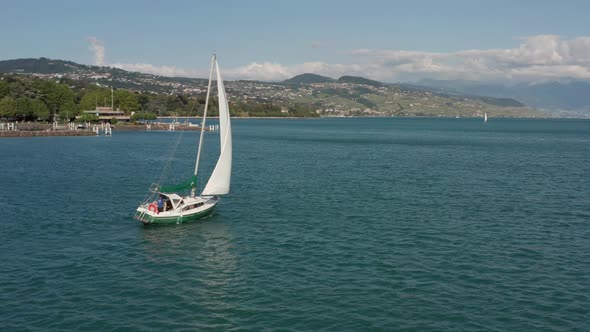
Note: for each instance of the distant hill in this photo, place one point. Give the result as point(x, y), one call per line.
point(562, 97)
point(308, 78)
point(359, 80)
point(347, 96)
point(41, 65)
point(115, 77)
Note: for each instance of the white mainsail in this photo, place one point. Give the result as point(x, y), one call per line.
point(218, 183)
point(485, 117)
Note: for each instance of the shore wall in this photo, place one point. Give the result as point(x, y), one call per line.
point(44, 133)
point(46, 129)
point(33, 126)
point(154, 127)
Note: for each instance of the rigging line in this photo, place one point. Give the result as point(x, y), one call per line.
point(194, 104)
point(173, 152)
point(149, 192)
point(171, 156)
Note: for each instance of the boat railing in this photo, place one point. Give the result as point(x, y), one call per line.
point(155, 188)
point(140, 215)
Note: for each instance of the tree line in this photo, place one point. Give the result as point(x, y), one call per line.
point(33, 99)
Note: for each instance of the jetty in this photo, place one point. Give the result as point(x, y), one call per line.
point(14, 129)
point(161, 126)
point(37, 129)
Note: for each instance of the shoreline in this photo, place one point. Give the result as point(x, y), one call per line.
point(45, 130)
point(377, 117)
point(155, 127)
point(41, 129)
point(45, 133)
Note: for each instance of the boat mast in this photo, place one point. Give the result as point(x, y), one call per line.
point(203, 123)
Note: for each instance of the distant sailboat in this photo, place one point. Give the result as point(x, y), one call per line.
point(485, 117)
point(176, 204)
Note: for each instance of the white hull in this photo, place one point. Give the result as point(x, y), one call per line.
point(183, 209)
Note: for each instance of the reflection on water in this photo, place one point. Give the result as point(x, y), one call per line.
point(209, 239)
point(199, 254)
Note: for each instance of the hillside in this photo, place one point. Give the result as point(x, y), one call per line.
point(303, 94)
point(561, 98)
point(115, 77)
point(308, 78)
point(42, 65)
point(359, 80)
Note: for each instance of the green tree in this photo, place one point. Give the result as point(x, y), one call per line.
point(7, 107)
point(126, 100)
point(143, 100)
point(23, 108)
point(68, 109)
point(94, 97)
point(40, 110)
point(58, 98)
point(4, 89)
point(157, 105)
point(143, 116)
point(90, 117)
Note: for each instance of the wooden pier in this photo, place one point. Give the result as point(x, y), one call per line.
point(72, 129)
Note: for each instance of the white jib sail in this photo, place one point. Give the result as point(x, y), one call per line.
point(220, 178)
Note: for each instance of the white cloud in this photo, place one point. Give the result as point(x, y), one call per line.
point(537, 58)
point(97, 47)
point(267, 71)
point(270, 71)
point(159, 70)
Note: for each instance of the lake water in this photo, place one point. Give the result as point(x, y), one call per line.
point(331, 224)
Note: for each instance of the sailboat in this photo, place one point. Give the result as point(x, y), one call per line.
point(179, 203)
point(485, 117)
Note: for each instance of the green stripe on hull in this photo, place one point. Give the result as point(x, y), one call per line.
point(148, 220)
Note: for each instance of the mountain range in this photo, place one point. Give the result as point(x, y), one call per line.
point(309, 78)
point(570, 98)
point(346, 95)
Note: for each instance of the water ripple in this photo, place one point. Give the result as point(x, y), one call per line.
point(397, 224)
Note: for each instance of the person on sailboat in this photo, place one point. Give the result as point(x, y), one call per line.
point(160, 204)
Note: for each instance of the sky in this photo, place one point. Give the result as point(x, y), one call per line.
point(390, 41)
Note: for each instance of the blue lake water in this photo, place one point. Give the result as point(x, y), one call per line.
point(331, 224)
